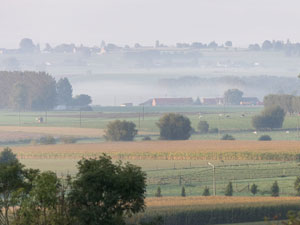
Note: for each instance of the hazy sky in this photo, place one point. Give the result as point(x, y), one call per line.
point(144, 21)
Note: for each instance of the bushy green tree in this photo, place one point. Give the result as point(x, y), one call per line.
point(203, 127)
point(120, 131)
point(206, 192)
point(275, 189)
point(64, 91)
point(82, 100)
point(104, 192)
point(254, 189)
point(229, 189)
point(7, 156)
point(174, 127)
point(233, 96)
point(271, 117)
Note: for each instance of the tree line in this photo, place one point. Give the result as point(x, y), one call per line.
point(31, 90)
point(102, 192)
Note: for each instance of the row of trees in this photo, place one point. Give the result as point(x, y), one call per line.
point(36, 91)
point(290, 103)
point(172, 127)
point(101, 193)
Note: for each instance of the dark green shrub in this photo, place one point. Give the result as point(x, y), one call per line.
point(203, 127)
point(275, 189)
point(272, 117)
point(47, 140)
point(229, 189)
point(183, 194)
point(206, 192)
point(120, 131)
point(254, 189)
point(158, 193)
point(213, 130)
point(174, 127)
point(228, 137)
point(146, 138)
point(68, 140)
point(264, 138)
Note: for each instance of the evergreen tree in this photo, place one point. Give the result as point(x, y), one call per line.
point(64, 92)
point(183, 194)
point(275, 189)
point(158, 193)
point(206, 192)
point(297, 186)
point(229, 189)
point(254, 189)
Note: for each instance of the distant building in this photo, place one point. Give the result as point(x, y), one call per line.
point(126, 105)
point(168, 102)
point(212, 101)
point(250, 101)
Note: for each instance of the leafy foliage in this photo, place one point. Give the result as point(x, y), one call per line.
point(265, 138)
point(120, 131)
point(227, 137)
point(103, 192)
point(27, 90)
point(64, 92)
point(158, 192)
point(203, 127)
point(174, 127)
point(229, 189)
point(206, 192)
point(272, 117)
point(7, 156)
point(254, 189)
point(183, 194)
point(297, 186)
point(233, 96)
point(275, 189)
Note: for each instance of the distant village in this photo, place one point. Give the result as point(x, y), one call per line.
point(246, 101)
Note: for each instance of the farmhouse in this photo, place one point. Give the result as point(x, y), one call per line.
point(250, 101)
point(212, 101)
point(168, 102)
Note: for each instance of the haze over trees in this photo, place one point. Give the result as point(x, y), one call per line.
point(36, 91)
point(271, 117)
point(233, 97)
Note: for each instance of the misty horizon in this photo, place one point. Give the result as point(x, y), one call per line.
point(119, 22)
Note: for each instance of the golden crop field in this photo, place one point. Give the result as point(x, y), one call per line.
point(216, 201)
point(169, 150)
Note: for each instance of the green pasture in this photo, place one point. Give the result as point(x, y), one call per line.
point(234, 120)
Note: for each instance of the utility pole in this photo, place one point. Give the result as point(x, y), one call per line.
point(214, 178)
point(298, 126)
point(80, 118)
point(143, 112)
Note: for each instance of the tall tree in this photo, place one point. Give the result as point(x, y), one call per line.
point(174, 127)
point(103, 192)
point(233, 96)
point(64, 92)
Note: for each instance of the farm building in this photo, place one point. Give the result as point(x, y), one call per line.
point(212, 101)
point(168, 102)
point(126, 105)
point(250, 101)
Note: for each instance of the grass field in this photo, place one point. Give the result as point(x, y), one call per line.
point(232, 120)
